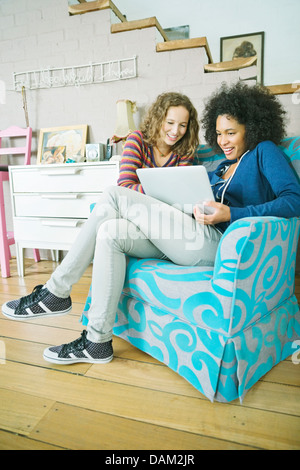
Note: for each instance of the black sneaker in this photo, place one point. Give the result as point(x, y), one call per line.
point(37, 304)
point(80, 350)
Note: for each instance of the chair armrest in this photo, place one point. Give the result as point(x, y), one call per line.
point(255, 267)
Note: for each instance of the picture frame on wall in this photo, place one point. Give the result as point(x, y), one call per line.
point(62, 144)
point(244, 45)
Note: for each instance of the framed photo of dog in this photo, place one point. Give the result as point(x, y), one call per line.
point(244, 45)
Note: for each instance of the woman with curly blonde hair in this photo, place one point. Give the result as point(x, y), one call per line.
point(157, 113)
point(124, 222)
point(168, 136)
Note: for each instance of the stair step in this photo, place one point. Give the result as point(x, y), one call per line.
point(185, 44)
point(95, 6)
point(139, 24)
point(285, 89)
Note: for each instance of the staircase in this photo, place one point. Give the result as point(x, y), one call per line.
point(184, 65)
point(120, 24)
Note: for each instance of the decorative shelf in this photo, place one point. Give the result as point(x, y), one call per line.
point(236, 64)
point(120, 69)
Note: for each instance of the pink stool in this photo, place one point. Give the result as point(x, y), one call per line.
point(7, 238)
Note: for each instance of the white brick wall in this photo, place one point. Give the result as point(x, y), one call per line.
point(292, 105)
point(34, 35)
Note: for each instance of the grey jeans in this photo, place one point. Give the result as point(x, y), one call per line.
point(125, 222)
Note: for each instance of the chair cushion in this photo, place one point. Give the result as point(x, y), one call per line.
point(187, 292)
point(291, 147)
point(206, 156)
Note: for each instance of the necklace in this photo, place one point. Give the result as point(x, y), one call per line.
point(161, 154)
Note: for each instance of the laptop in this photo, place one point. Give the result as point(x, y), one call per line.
point(181, 186)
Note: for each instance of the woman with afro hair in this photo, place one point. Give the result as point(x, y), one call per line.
point(246, 124)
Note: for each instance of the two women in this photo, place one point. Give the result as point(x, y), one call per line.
point(254, 179)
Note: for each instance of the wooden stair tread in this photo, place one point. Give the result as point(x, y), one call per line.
point(125, 25)
point(94, 6)
point(138, 24)
point(229, 65)
point(185, 44)
point(285, 89)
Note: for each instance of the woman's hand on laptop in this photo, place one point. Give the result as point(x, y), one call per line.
point(211, 213)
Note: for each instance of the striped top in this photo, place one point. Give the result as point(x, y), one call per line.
point(138, 154)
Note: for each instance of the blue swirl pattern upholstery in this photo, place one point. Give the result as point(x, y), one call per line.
point(223, 327)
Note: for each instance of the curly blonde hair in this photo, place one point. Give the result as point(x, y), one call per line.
point(152, 122)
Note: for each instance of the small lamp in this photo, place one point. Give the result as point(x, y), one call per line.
point(125, 123)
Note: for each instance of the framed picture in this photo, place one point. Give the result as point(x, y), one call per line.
point(245, 45)
point(62, 144)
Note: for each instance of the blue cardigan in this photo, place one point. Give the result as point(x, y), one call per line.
point(264, 184)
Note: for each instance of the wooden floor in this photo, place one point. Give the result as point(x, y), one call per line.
point(132, 403)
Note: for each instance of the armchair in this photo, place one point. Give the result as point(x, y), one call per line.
point(222, 327)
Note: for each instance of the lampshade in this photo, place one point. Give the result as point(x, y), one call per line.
point(125, 123)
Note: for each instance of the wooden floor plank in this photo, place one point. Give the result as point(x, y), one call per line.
point(37, 332)
point(50, 332)
point(20, 412)
point(144, 374)
point(247, 426)
point(12, 441)
point(265, 396)
point(95, 431)
point(286, 372)
point(134, 402)
point(25, 352)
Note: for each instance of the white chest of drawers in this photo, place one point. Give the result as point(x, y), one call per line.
point(51, 203)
